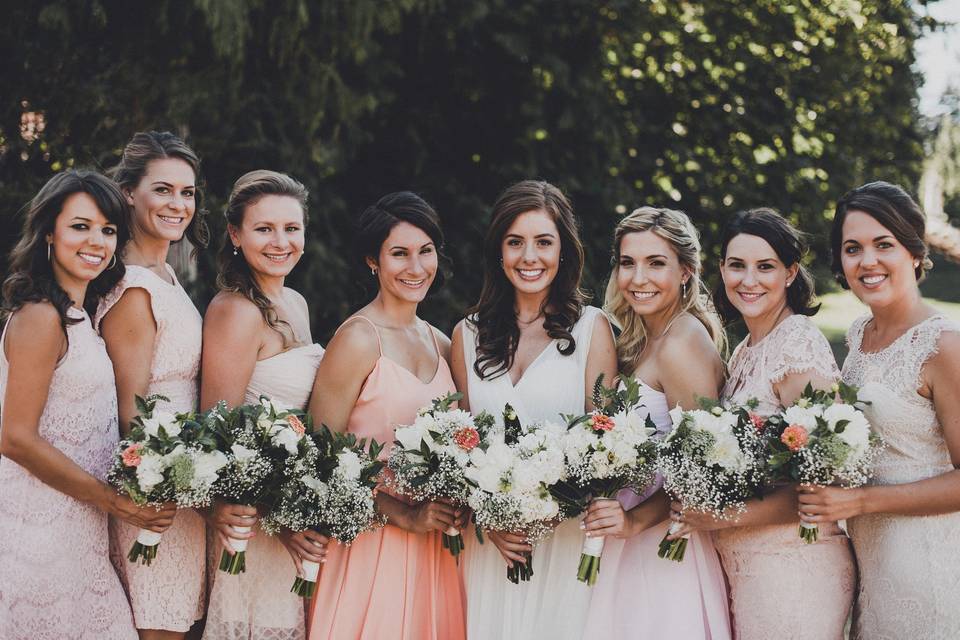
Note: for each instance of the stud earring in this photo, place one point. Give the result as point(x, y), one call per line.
point(373, 271)
point(916, 264)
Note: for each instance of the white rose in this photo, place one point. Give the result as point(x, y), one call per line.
point(805, 417)
point(856, 433)
point(411, 437)
point(348, 464)
point(242, 453)
point(150, 471)
point(726, 453)
point(205, 468)
point(285, 437)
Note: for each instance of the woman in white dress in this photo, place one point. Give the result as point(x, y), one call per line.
point(905, 358)
point(530, 341)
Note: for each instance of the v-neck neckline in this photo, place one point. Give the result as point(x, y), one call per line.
point(530, 366)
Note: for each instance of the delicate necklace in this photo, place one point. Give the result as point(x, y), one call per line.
point(527, 323)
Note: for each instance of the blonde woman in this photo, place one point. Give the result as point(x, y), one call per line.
point(670, 342)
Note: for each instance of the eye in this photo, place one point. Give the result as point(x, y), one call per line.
point(399, 254)
point(545, 242)
point(514, 242)
point(262, 229)
point(79, 226)
point(110, 231)
point(162, 190)
point(851, 249)
point(658, 263)
point(626, 262)
point(734, 264)
point(292, 228)
point(884, 245)
point(188, 193)
point(426, 250)
point(765, 267)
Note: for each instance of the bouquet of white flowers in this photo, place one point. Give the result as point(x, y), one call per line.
point(823, 438)
point(511, 472)
point(429, 457)
point(711, 461)
point(334, 497)
point(166, 458)
point(265, 445)
point(606, 450)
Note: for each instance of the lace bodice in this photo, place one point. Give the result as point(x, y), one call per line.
point(889, 380)
point(794, 346)
point(175, 366)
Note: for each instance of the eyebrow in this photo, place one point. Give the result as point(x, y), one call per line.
point(761, 261)
point(397, 246)
point(539, 235)
point(170, 184)
point(656, 255)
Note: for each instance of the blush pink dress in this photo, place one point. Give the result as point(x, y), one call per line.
point(56, 580)
point(780, 586)
point(640, 595)
point(170, 593)
point(390, 583)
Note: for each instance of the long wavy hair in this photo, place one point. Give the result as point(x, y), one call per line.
point(234, 274)
point(146, 146)
point(676, 228)
point(31, 277)
point(494, 316)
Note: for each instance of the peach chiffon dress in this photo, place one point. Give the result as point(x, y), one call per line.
point(780, 586)
point(390, 583)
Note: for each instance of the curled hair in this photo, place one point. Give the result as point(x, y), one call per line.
point(378, 220)
point(494, 316)
point(893, 208)
point(31, 277)
point(676, 228)
point(789, 245)
point(147, 146)
point(233, 271)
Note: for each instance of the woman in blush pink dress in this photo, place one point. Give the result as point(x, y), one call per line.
point(153, 333)
point(59, 423)
point(669, 342)
point(905, 358)
point(381, 366)
point(256, 341)
point(780, 586)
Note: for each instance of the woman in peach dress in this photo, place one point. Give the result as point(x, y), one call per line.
point(780, 586)
point(382, 365)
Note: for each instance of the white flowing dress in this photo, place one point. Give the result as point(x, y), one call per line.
point(553, 604)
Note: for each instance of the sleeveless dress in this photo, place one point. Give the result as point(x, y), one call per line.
point(257, 604)
point(553, 604)
point(909, 565)
point(390, 583)
point(640, 595)
point(780, 586)
point(170, 593)
point(56, 580)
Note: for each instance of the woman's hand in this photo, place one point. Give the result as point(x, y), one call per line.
point(157, 519)
point(304, 545)
point(829, 504)
point(224, 516)
point(607, 518)
point(431, 515)
point(514, 547)
point(691, 520)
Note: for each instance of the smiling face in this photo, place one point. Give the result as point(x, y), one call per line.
point(83, 242)
point(407, 263)
point(164, 200)
point(271, 236)
point(754, 278)
point(649, 273)
point(530, 250)
point(878, 268)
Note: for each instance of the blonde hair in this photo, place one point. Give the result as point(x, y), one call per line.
point(676, 228)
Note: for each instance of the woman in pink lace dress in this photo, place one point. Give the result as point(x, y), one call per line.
point(153, 333)
point(780, 586)
point(905, 358)
point(256, 340)
point(59, 423)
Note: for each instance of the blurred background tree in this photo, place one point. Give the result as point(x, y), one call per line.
point(709, 106)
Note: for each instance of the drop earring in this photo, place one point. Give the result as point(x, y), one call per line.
point(235, 252)
point(49, 244)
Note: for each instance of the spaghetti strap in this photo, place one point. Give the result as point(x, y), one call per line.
point(436, 345)
point(376, 329)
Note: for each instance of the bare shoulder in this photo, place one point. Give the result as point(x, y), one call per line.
point(298, 297)
point(442, 341)
point(356, 338)
point(35, 326)
point(687, 342)
point(946, 360)
point(233, 313)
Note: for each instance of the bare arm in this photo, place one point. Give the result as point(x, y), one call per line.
point(458, 365)
point(602, 358)
point(130, 331)
point(34, 343)
point(232, 336)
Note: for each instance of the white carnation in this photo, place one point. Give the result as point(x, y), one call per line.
point(348, 464)
point(150, 471)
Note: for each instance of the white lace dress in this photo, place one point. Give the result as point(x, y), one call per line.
point(909, 565)
point(553, 604)
point(257, 604)
point(780, 586)
point(56, 580)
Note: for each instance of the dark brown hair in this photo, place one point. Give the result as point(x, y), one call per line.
point(234, 273)
point(789, 245)
point(31, 276)
point(147, 146)
point(893, 208)
point(494, 316)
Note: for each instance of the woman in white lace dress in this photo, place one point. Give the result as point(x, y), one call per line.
point(530, 341)
point(905, 358)
point(256, 341)
point(780, 586)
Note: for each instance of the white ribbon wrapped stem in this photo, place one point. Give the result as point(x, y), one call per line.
point(239, 545)
point(808, 525)
point(593, 546)
point(311, 570)
point(676, 526)
point(149, 538)
point(452, 532)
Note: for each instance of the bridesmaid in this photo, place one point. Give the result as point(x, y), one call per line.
point(153, 331)
point(256, 341)
point(905, 357)
point(780, 586)
point(59, 423)
point(381, 366)
point(669, 342)
point(531, 341)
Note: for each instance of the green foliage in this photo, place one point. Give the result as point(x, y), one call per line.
point(705, 106)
